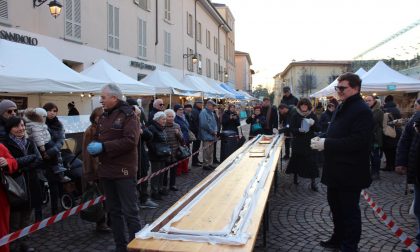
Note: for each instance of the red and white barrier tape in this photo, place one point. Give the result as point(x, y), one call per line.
point(48, 221)
point(75, 210)
point(390, 223)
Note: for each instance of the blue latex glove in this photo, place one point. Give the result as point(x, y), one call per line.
point(94, 148)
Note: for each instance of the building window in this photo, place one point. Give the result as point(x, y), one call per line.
point(142, 46)
point(216, 71)
point(167, 60)
point(208, 68)
point(4, 12)
point(199, 66)
point(113, 28)
point(198, 35)
point(208, 39)
point(190, 63)
point(73, 29)
point(168, 10)
point(144, 4)
point(216, 44)
point(189, 24)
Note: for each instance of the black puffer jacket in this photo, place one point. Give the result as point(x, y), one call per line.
point(29, 160)
point(159, 136)
point(407, 151)
point(391, 107)
point(56, 129)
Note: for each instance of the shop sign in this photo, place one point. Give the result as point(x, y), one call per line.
point(391, 87)
point(142, 65)
point(14, 37)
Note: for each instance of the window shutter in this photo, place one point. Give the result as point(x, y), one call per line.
point(4, 14)
point(110, 26)
point(144, 39)
point(77, 19)
point(117, 27)
point(69, 18)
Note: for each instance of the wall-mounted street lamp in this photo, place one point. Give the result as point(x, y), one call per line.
point(193, 55)
point(226, 75)
point(54, 6)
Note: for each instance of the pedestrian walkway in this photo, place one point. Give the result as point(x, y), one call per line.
point(299, 218)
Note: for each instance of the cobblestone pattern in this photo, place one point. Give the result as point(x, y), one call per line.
point(299, 218)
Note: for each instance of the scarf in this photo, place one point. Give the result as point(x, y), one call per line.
point(304, 114)
point(21, 142)
point(54, 123)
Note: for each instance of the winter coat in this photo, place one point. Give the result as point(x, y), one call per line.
point(378, 117)
point(73, 112)
point(159, 138)
point(229, 123)
point(325, 120)
point(195, 120)
point(144, 154)
point(408, 151)
point(152, 113)
point(286, 119)
point(4, 201)
point(208, 126)
point(258, 119)
point(119, 131)
point(29, 161)
point(348, 145)
point(56, 130)
point(290, 100)
point(3, 132)
point(391, 107)
point(272, 119)
point(183, 123)
point(37, 130)
point(174, 139)
point(303, 160)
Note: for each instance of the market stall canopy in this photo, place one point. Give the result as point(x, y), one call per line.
point(382, 78)
point(237, 95)
point(103, 71)
point(247, 96)
point(165, 83)
point(329, 90)
point(199, 84)
point(216, 85)
point(33, 69)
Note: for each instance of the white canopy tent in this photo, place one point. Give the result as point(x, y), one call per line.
point(382, 78)
point(103, 71)
point(329, 90)
point(199, 84)
point(31, 69)
point(248, 97)
point(165, 83)
point(216, 85)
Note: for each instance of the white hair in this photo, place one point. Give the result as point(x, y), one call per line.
point(113, 90)
point(156, 102)
point(158, 116)
point(170, 111)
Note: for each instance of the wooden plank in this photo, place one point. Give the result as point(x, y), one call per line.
point(210, 212)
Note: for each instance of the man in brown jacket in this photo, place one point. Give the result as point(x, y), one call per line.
point(115, 144)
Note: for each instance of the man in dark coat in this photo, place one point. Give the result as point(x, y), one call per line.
point(116, 143)
point(194, 127)
point(408, 160)
point(288, 97)
point(271, 116)
point(7, 109)
point(286, 113)
point(346, 168)
point(158, 105)
point(391, 107)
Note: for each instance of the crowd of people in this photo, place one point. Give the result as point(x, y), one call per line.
point(122, 145)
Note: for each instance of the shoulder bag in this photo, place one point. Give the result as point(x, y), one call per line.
point(183, 152)
point(16, 189)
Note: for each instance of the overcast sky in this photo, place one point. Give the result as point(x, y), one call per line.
point(274, 32)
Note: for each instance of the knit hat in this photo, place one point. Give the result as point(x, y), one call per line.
point(5, 105)
point(40, 111)
point(177, 106)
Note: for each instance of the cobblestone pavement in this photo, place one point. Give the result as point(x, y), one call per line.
point(299, 218)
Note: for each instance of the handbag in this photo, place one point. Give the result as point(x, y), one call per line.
point(191, 136)
point(16, 189)
point(96, 212)
point(163, 150)
point(183, 152)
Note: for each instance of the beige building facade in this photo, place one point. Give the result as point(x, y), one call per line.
point(243, 71)
point(307, 77)
point(134, 36)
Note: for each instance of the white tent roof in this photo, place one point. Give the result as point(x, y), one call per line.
point(382, 78)
point(103, 71)
point(199, 84)
point(247, 96)
point(25, 69)
point(165, 83)
point(329, 90)
point(216, 85)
